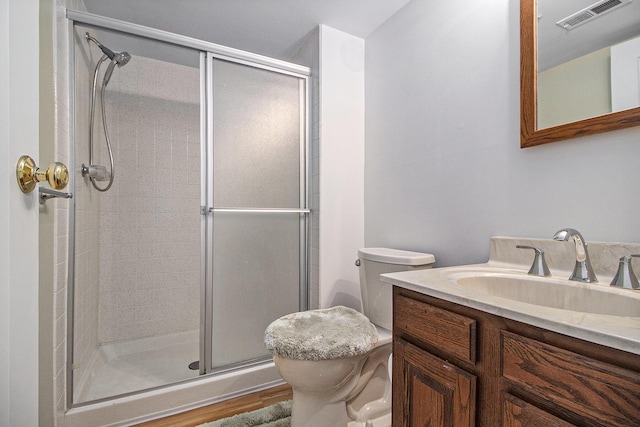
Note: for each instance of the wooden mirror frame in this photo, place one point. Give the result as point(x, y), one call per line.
point(529, 134)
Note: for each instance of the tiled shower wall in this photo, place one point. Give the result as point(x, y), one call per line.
point(149, 221)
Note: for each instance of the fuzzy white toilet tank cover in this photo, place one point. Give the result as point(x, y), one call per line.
point(323, 334)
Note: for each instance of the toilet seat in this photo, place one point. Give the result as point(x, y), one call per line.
point(324, 334)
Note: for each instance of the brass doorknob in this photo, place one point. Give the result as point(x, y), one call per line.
point(28, 174)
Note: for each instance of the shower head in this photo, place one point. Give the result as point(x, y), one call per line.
point(120, 59)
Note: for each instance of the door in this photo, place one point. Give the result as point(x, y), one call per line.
point(19, 102)
point(137, 243)
point(258, 207)
point(201, 240)
point(435, 393)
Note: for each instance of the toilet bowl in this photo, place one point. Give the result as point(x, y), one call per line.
point(320, 353)
point(337, 360)
point(369, 404)
point(318, 400)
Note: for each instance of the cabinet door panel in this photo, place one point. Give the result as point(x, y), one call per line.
point(428, 402)
point(431, 391)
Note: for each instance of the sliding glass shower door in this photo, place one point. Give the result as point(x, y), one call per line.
point(135, 249)
point(258, 207)
point(200, 243)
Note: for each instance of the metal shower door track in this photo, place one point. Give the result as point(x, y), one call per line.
point(179, 40)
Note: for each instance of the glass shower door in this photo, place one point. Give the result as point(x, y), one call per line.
point(136, 249)
point(257, 187)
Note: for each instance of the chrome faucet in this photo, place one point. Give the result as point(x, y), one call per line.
point(625, 278)
point(582, 272)
point(539, 266)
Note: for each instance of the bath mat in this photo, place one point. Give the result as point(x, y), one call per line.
point(277, 415)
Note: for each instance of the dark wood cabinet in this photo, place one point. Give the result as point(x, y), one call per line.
point(457, 366)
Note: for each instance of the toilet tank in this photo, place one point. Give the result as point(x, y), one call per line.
point(377, 296)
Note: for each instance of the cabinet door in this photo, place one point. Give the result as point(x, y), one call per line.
point(517, 413)
point(430, 391)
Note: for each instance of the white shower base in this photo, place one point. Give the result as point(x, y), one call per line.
point(135, 365)
point(151, 362)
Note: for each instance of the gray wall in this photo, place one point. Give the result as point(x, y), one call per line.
point(443, 167)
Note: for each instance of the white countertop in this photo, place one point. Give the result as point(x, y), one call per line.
point(618, 332)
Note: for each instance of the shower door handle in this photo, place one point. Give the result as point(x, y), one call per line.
point(204, 210)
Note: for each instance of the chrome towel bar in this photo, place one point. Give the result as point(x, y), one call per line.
point(204, 210)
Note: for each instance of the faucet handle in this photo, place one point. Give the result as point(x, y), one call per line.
point(625, 278)
point(539, 266)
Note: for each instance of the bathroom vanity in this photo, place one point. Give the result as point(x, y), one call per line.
point(482, 355)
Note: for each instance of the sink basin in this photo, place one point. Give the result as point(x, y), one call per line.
point(597, 298)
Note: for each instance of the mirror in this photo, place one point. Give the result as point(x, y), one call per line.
point(546, 48)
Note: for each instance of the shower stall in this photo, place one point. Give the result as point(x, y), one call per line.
point(201, 239)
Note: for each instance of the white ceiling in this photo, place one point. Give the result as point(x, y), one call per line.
point(278, 28)
point(274, 28)
point(557, 45)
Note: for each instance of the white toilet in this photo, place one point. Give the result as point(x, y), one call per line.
point(337, 360)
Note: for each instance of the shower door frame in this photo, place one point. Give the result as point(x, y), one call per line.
point(208, 52)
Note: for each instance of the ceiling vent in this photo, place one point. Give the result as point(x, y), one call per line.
point(590, 13)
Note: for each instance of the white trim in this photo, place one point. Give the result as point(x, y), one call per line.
point(19, 117)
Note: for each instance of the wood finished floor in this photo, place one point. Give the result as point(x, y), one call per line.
point(225, 409)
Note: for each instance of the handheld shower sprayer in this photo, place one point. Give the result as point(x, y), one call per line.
point(120, 59)
point(97, 172)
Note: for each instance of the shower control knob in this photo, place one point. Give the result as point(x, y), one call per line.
point(28, 174)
